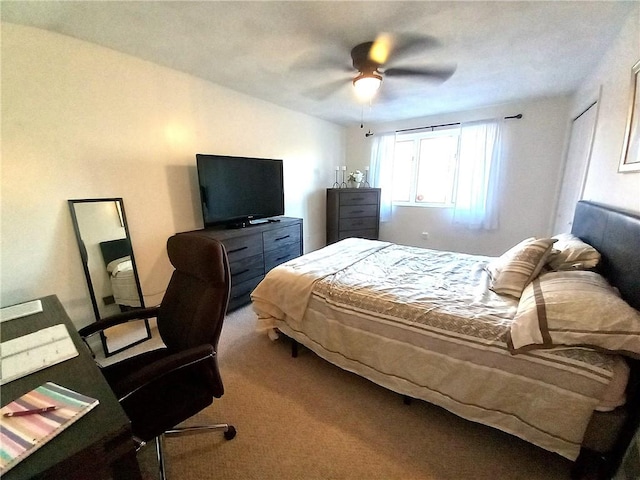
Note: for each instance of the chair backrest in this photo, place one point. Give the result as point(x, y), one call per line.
point(195, 303)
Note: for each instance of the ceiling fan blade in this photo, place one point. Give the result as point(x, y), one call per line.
point(324, 91)
point(407, 45)
point(387, 94)
point(441, 74)
point(320, 61)
point(381, 48)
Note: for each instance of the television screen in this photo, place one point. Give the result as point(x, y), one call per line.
point(239, 189)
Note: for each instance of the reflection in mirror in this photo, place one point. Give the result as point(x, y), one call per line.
point(109, 266)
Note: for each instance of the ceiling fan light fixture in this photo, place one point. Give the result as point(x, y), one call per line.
point(367, 84)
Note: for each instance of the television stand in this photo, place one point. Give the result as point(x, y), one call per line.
point(255, 250)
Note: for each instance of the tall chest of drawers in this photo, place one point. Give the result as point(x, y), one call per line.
point(254, 250)
point(352, 212)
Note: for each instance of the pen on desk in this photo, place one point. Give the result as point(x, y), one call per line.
point(21, 413)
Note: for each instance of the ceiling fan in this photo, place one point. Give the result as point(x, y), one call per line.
point(369, 59)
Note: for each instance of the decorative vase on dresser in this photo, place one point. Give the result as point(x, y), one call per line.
point(352, 212)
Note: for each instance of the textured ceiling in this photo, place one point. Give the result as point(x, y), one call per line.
point(285, 52)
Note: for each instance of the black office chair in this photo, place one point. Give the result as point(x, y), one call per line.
point(161, 388)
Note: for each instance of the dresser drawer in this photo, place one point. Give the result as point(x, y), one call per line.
point(358, 223)
point(241, 292)
point(242, 247)
point(246, 268)
point(359, 198)
point(247, 250)
point(281, 237)
point(280, 255)
point(351, 211)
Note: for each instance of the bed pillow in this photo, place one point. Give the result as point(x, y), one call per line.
point(515, 268)
point(113, 265)
point(574, 308)
point(571, 253)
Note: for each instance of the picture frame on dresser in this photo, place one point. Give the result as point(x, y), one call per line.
point(630, 157)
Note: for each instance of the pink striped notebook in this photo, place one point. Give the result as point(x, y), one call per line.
point(22, 435)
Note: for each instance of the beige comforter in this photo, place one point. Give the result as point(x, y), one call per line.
point(423, 323)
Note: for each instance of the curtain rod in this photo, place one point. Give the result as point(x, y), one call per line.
point(518, 116)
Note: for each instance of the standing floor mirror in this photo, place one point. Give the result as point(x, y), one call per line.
point(109, 265)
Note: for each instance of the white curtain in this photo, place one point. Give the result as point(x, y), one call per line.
point(381, 171)
point(477, 186)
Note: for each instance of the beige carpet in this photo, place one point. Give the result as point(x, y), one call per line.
point(307, 419)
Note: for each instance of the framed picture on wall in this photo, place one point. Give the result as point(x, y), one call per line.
point(630, 159)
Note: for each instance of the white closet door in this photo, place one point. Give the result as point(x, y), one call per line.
point(575, 168)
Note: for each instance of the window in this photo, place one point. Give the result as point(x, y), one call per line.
point(457, 167)
point(424, 168)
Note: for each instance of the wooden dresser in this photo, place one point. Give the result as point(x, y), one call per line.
point(255, 250)
point(352, 212)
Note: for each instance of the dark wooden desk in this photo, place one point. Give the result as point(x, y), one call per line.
point(99, 445)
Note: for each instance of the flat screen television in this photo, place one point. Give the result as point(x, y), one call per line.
point(239, 191)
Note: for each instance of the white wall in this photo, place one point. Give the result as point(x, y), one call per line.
point(604, 184)
point(534, 147)
point(82, 121)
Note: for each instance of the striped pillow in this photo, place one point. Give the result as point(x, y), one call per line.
point(574, 308)
point(515, 268)
point(571, 253)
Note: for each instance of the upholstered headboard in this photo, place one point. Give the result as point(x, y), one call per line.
point(615, 234)
point(113, 249)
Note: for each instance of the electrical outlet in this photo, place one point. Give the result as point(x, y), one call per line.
point(425, 235)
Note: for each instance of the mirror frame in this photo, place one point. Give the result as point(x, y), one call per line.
point(85, 266)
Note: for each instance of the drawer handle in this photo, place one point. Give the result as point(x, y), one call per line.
point(282, 238)
point(237, 250)
point(241, 294)
point(282, 258)
point(358, 223)
point(357, 211)
point(241, 272)
point(358, 198)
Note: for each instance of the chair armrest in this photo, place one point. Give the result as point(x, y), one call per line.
point(124, 317)
point(150, 374)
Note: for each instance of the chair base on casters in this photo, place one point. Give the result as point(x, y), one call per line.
point(229, 434)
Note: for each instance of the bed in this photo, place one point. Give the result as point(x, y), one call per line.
point(474, 335)
point(117, 259)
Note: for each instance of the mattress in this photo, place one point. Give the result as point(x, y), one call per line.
point(423, 323)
